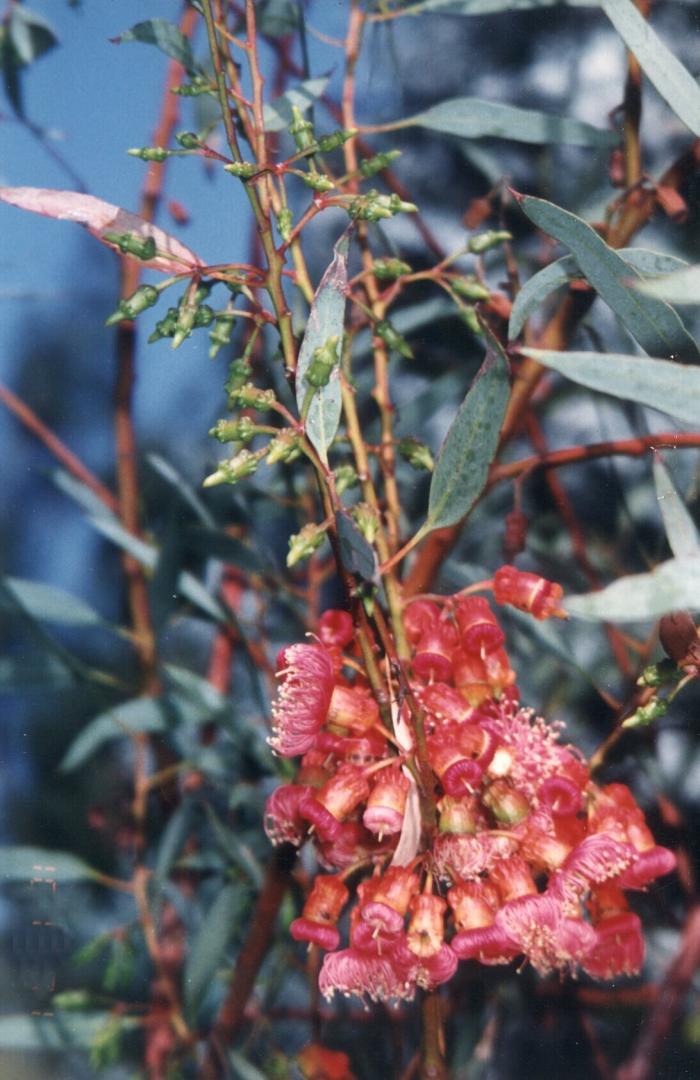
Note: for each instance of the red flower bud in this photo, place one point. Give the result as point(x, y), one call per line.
point(478, 626)
point(527, 592)
point(335, 628)
point(418, 617)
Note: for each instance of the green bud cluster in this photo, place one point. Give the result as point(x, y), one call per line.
point(221, 334)
point(284, 447)
point(301, 130)
point(318, 181)
point(323, 360)
point(144, 297)
point(242, 430)
point(345, 477)
point(250, 396)
point(470, 288)
point(188, 140)
point(416, 454)
point(304, 543)
point(393, 339)
point(470, 319)
point(239, 374)
point(243, 169)
point(150, 153)
point(327, 143)
point(285, 220)
point(141, 247)
point(647, 714)
point(236, 468)
point(388, 269)
point(367, 520)
point(165, 327)
point(666, 671)
point(483, 241)
point(374, 207)
point(371, 166)
point(199, 85)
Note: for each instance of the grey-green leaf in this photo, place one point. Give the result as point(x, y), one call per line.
point(474, 118)
point(357, 553)
point(210, 943)
point(661, 384)
point(672, 80)
point(639, 597)
point(326, 319)
point(21, 1031)
point(680, 528)
point(679, 287)
point(491, 7)
point(560, 272)
point(277, 114)
point(143, 715)
point(166, 36)
point(462, 467)
point(47, 603)
point(27, 864)
point(29, 33)
point(655, 325)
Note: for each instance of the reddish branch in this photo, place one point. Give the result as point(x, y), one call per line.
point(641, 1064)
point(58, 448)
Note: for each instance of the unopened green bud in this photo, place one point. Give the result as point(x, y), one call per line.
point(243, 169)
point(367, 520)
point(389, 269)
point(345, 477)
point(285, 219)
point(301, 130)
point(188, 140)
point(666, 671)
point(646, 714)
point(186, 318)
point(469, 318)
point(416, 454)
point(393, 339)
point(318, 182)
point(199, 85)
point(165, 327)
point(284, 447)
point(74, 1000)
point(204, 316)
point(400, 206)
point(144, 297)
point(376, 164)
point(239, 373)
point(323, 360)
point(241, 430)
point(237, 468)
point(150, 153)
point(221, 334)
point(304, 543)
point(251, 397)
point(141, 247)
point(326, 143)
point(483, 241)
point(470, 288)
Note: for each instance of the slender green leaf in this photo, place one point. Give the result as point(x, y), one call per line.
point(654, 324)
point(184, 488)
point(166, 36)
point(242, 1068)
point(187, 684)
point(30, 34)
point(20, 1031)
point(470, 445)
point(672, 80)
point(28, 864)
point(210, 943)
point(277, 114)
point(473, 118)
point(172, 840)
point(325, 321)
point(47, 603)
point(671, 388)
point(679, 287)
point(219, 545)
point(560, 272)
point(237, 852)
point(37, 673)
point(640, 597)
point(143, 715)
point(680, 528)
point(277, 17)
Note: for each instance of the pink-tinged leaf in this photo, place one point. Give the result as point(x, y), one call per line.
point(100, 217)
